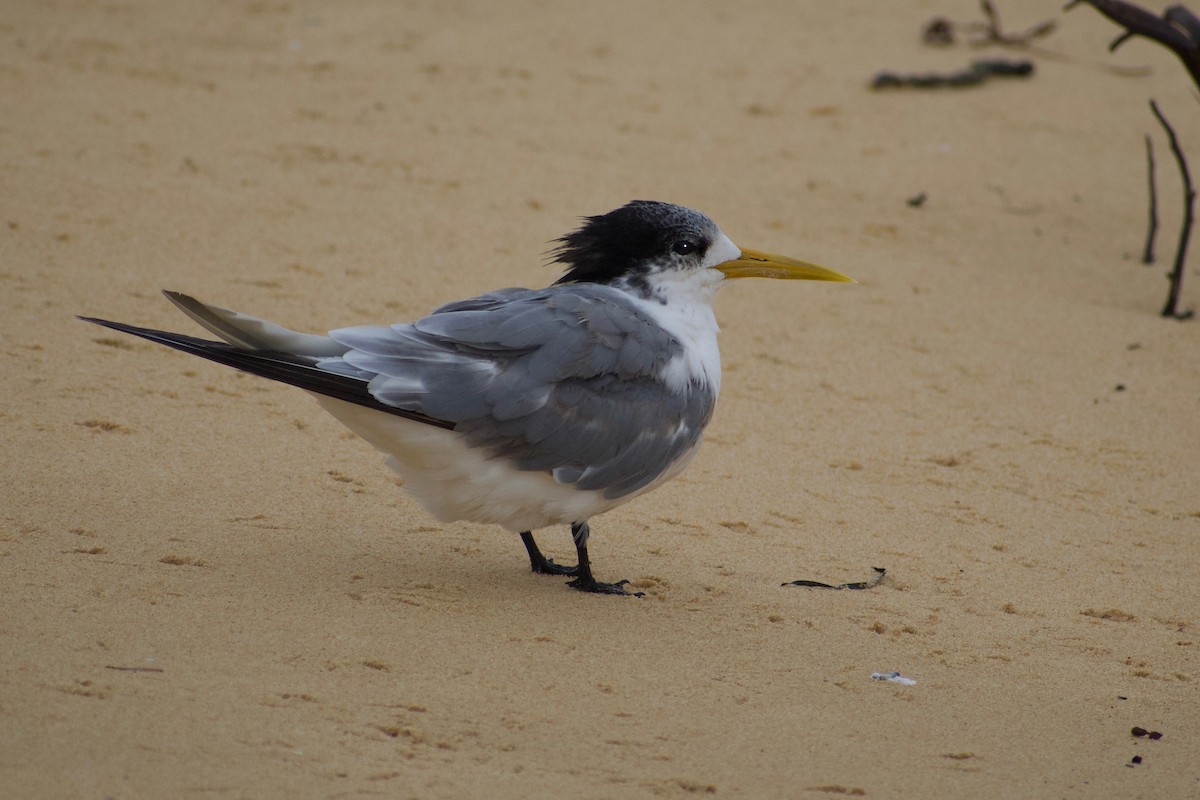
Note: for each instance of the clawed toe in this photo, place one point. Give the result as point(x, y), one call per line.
point(548, 567)
point(590, 584)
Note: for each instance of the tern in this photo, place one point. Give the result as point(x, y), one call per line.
point(526, 408)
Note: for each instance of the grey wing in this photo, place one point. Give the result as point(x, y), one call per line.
point(484, 301)
point(609, 433)
point(562, 380)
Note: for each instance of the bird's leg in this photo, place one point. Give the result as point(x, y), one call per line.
point(539, 563)
point(585, 582)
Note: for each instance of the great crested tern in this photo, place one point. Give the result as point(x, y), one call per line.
point(528, 407)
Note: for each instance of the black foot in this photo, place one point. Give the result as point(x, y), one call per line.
point(542, 565)
point(548, 567)
point(582, 572)
point(590, 584)
point(585, 582)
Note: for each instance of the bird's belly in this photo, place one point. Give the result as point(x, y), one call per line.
point(455, 482)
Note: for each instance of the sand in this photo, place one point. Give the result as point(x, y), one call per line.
point(210, 589)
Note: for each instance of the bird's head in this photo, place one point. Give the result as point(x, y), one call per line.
point(644, 241)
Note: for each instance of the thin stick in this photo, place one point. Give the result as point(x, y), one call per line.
point(1189, 199)
point(1152, 230)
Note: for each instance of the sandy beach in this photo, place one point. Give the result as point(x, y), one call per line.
point(211, 589)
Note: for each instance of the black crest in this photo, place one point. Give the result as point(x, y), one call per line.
point(628, 242)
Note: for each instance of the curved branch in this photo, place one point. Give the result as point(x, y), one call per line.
point(1177, 29)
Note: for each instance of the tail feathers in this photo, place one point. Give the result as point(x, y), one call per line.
point(298, 370)
point(252, 333)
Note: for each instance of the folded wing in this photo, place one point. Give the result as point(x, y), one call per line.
point(564, 380)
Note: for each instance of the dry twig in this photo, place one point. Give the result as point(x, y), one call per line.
point(941, 31)
point(1152, 227)
point(1178, 30)
point(1189, 200)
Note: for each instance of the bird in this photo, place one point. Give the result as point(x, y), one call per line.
point(527, 408)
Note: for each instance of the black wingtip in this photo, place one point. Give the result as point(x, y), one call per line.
point(97, 321)
point(176, 340)
point(116, 326)
point(288, 368)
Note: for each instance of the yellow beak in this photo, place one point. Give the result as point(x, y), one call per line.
point(754, 264)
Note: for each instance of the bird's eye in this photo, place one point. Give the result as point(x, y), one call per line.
point(684, 247)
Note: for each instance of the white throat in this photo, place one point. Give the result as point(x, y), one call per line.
point(681, 302)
